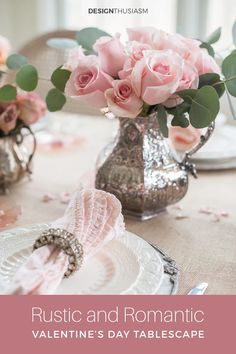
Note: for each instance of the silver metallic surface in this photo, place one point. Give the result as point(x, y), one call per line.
point(15, 160)
point(140, 170)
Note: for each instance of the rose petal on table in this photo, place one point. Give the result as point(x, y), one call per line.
point(181, 216)
point(48, 197)
point(205, 210)
point(9, 215)
point(224, 213)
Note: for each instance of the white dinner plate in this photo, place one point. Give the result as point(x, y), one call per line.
point(126, 265)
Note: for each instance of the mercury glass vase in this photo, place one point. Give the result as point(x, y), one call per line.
point(15, 159)
point(139, 168)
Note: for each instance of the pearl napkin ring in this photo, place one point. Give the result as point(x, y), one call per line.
point(67, 242)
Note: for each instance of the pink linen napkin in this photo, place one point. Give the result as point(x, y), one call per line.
point(94, 218)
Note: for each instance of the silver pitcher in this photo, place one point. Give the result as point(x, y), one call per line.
point(140, 169)
point(15, 159)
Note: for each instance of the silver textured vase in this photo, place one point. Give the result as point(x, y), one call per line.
point(141, 170)
point(15, 159)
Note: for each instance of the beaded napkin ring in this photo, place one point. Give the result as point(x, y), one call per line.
point(67, 242)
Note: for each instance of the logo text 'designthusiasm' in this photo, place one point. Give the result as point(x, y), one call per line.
point(117, 11)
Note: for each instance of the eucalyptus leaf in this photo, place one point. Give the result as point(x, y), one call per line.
point(27, 78)
point(88, 36)
point(229, 71)
point(180, 109)
point(7, 93)
point(180, 121)
point(62, 43)
point(205, 107)
point(187, 95)
point(214, 36)
point(16, 61)
point(60, 77)
point(55, 100)
point(209, 48)
point(212, 79)
point(162, 120)
point(234, 33)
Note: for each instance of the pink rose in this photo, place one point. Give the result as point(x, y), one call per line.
point(206, 64)
point(4, 49)
point(31, 107)
point(184, 139)
point(157, 76)
point(187, 48)
point(111, 54)
point(74, 56)
point(189, 80)
point(142, 34)
point(8, 117)
point(134, 52)
point(88, 82)
point(122, 101)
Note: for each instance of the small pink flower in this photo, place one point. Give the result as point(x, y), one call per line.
point(184, 138)
point(142, 34)
point(111, 54)
point(31, 107)
point(8, 117)
point(5, 48)
point(157, 76)
point(122, 100)
point(88, 82)
point(74, 57)
point(206, 64)
point(188, 80)
point(134, 52)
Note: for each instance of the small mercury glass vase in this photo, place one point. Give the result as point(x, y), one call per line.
point(140, 169)
point(15, 159)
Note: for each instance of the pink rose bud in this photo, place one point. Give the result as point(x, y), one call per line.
point(111, 54)
point(31, 106)
point(74, 57)
point(122, 100)
point(88, 82)
point(157, 76)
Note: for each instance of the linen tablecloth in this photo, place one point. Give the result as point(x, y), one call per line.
point(204, 249)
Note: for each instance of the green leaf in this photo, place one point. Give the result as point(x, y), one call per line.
point(205, 107)
point(187, 95)
point(180, 109)
point(209, 48)
point(7, 93)
point(229, 71)
point(60, 77)
point(162, 120)
point(16, 61)
point(180, 121)
point(55, 100)
point(62, 43)
point(88, 36)
point(214, 36)
point(27, 78)
point(234, 32)
point(212, 79)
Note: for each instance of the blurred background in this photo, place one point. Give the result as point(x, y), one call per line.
point(21, 21)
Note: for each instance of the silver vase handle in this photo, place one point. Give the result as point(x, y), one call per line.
point(186, 162)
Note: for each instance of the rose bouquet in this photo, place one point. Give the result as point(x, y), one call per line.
point(153, 71)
